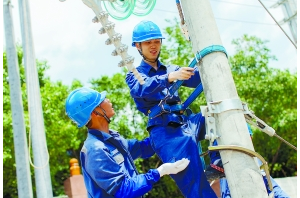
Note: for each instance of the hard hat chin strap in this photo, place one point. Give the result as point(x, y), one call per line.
point(104, 114)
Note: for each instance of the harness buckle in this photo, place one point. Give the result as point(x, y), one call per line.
point(198, 59)
point(161, 105)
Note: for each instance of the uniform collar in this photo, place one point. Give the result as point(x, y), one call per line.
point(102, 135)
point(146, 67)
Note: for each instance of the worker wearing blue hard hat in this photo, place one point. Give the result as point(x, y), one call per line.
point(173, 135)
point(106, 157)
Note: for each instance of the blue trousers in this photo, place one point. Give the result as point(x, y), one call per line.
point(172, 143)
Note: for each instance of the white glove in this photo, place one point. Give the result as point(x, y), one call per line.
point(173, 168)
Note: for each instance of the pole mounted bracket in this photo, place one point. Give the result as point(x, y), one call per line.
point(217, 107)
point(210, 125)
point(225, 105)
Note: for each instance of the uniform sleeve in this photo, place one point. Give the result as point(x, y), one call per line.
point(153, 85)
point(138, 185)
point(141, 149)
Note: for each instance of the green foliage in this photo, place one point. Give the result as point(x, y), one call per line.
point(251, 54)
point(272, 95)
point(63, 137)
point(177, 50)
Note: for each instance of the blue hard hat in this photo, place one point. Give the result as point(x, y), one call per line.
point(81, 103)
point(144, 31)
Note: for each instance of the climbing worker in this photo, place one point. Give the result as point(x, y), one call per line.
point(106, 157)
point(173, 135)
point(224, 188)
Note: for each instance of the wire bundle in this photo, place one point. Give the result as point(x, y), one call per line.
point(122, 9)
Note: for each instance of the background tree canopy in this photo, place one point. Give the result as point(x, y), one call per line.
point(270, 93)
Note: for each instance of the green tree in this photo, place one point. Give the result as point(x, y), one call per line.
point(272, 95)
point(62, 135)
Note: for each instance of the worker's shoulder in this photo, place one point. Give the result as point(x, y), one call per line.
point(93, 143)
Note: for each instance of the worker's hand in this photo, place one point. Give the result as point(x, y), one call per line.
point(173, 168)
point(184, 73)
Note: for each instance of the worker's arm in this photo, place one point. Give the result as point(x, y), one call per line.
point(110, 173)
point(153, 85)
point(137, 186)
point(143, 183)
point(142, 149)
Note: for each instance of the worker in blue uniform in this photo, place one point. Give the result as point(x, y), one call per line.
point(173, 135)
point(106, 157)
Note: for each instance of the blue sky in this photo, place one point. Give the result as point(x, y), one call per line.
point(65, 36)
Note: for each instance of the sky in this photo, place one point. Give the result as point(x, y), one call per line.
point(65, 36)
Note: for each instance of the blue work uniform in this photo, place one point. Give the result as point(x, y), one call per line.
point(173, 136)
point(108, 168)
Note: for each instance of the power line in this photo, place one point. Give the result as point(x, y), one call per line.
point(238, 4)
point(221, 18)
point(245, 21)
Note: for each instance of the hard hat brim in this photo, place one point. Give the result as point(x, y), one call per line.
point(143, 40)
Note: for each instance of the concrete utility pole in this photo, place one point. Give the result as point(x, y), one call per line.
point(289, 8)
point(19, 130)
point(39, 146)
point(242, 172)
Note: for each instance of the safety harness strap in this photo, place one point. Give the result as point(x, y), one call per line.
point(163, 107)
point(166, 108)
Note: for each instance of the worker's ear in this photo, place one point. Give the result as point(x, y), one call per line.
point(90, 122)
point(93, 116)
point(138, 46)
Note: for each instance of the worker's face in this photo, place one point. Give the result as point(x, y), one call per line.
point(107, 106)
point(150, 49)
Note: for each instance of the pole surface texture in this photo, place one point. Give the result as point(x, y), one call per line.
point(242, 172)
point(39, 146)
point(19, 131)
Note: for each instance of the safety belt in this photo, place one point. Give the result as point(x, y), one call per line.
point(163, 107)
